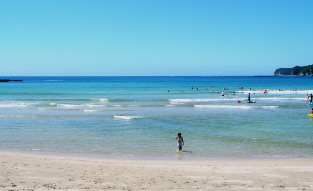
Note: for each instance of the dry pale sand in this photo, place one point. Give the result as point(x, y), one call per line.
point(35, 172)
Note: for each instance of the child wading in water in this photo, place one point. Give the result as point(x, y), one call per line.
point(180, 142)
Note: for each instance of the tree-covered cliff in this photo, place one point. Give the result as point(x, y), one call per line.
point(295, 71)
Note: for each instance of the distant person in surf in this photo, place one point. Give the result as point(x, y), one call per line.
point(249, 97)
point(180, 142)
point(311, 112)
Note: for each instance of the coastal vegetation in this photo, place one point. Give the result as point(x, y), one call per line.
point(295, 71)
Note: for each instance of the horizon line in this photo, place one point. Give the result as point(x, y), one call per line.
point(138, 76)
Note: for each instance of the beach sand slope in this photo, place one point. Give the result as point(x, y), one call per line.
point(37, 172)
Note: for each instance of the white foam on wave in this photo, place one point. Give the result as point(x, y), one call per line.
point(18, 116)
point(36, 149)
point(94, 105)
point(280, 98)
point(14, 105)
point(127, 117)
point(77, 105)
point(277, 91)
point(68, 105)
point(224, 106)
point(89, 110)
point(116, 106)
point(102, 100)
point(40, 108)
point(268, 107)
point(236, 106)
point(173, 101)
point(183, 101)
point(179, 101)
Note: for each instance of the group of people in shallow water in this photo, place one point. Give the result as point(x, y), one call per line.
point(310, 98)
point(180, 139)
point(249, 95)
point(224, 94)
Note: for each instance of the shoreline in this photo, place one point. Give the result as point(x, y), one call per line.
point(179, 157)
point(21, 171)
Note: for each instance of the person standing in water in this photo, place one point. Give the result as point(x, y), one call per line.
point(180, 142)
point(249, 97)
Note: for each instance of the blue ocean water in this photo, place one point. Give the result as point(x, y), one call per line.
point(140, 116)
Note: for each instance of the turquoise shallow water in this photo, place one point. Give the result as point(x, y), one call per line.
point(140, 116)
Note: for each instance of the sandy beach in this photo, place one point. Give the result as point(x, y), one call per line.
point(21, 171)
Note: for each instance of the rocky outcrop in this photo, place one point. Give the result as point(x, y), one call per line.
point(8, 80)
point(295, 71)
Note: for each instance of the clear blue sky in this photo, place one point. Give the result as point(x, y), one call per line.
point(154, 37)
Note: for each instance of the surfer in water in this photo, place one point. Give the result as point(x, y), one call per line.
point(180, 142)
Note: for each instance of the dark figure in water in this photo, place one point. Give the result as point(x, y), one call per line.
point(311, 98)
point(249, 97)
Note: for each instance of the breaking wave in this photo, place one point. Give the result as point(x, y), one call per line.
point(127, 117)
point(236, 106)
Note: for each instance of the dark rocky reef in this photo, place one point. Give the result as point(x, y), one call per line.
point(8, 80)
point(295, 71)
